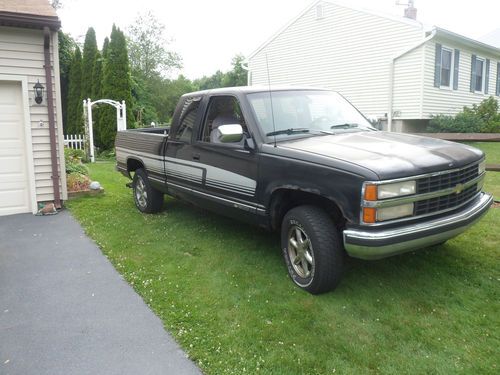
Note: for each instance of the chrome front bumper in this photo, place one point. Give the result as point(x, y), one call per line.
point(380, 243)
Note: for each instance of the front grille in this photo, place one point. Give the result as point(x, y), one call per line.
point(446, 180)
point(445, 202)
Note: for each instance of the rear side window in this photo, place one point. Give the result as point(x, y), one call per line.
point(187, 119)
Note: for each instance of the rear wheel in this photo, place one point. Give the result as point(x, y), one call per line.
point(147, 199)
point(312, 249)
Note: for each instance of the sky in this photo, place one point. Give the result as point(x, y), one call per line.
point(207, 34)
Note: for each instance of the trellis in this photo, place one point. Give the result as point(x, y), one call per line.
point(121, 120)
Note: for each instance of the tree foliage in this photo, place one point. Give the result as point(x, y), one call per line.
point(75, 105)
point(237, 76)
point(89, 54)
point(482, 118)
point(116, 86)
point(66, 51)
point(149, 56)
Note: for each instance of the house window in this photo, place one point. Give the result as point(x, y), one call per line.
point(446, 67)
point(479, 75)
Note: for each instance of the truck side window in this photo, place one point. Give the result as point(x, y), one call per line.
point(187, 120)
point(222, 110)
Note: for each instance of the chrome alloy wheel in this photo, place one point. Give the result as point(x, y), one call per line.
point(141, 194)
point(300, 252)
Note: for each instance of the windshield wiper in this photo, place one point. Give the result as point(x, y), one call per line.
point(346, 125)
point(289, 131)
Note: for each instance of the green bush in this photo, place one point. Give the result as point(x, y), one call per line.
point(482, 118)
point(73, 159)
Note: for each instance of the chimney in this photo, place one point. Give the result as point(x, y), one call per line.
point(411, 11)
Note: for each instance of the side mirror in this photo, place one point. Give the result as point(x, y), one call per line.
point(230, 133)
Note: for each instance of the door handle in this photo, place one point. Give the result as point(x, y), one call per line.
point(196, 156)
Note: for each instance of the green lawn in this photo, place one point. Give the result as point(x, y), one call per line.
point(492, 151)
point(221, 288)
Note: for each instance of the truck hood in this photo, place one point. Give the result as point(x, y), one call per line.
point(389, 155)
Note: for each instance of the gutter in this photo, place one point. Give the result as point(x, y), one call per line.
point(52, 123)
point(391, 75)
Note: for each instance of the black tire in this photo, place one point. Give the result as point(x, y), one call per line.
point(147, 199)
point(325, 249)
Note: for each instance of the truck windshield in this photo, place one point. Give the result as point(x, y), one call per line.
point(305, 113)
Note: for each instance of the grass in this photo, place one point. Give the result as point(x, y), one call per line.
point(221, 288)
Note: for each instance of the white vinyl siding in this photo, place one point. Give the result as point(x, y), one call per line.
point(22, 55)
point(450, 102)
point(407, 94)
point(346, 50)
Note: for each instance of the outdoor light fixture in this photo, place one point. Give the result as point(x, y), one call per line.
point(38, 92)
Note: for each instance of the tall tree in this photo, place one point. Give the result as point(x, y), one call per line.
point(97, 94)
point(89, 53)
point(105, 46)
point(148, 51)
point(66, 51)
point(236, 76)
point(75, 105)
point(116, 85)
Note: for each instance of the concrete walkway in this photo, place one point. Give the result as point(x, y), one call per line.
point(65, 310)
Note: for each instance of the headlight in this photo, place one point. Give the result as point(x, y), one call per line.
point(481, 167)
point(384, 191)
point(388, 213)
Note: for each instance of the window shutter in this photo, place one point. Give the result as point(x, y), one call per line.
point(455, 69)
point(437, 66)
point(498, 79)
point(473, 73)
point(487, 76)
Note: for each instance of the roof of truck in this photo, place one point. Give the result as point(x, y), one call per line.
point(253, 89)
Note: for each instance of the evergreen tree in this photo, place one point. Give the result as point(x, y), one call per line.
point(66, 52)
point(89, 53)
point(105, 46)
point(75, 105)
point(116, 85)
point(97, 94)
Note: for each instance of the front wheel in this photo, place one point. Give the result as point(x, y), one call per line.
point(147, 199)
point(312, 249)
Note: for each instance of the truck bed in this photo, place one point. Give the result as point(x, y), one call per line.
point(142, 145)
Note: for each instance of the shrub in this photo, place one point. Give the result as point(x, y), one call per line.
point(73, 159)
point(482, 118)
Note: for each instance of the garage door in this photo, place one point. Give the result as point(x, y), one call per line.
point(14, 180)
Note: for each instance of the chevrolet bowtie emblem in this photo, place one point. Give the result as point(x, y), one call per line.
point(459, 188)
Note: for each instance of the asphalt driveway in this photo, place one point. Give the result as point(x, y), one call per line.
point(65, 310)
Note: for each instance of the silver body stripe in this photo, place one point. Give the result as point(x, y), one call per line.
point(193, 171)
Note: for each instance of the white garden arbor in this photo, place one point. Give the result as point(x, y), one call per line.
point(121, 119)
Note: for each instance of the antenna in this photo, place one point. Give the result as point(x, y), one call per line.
point(271, 99)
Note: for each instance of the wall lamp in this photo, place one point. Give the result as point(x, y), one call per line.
point(38, 92)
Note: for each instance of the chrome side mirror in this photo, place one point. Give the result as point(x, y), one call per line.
point(230, 133)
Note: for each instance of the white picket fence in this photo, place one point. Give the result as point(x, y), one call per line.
point(74, 141)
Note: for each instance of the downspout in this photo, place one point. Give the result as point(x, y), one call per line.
point(52, 123)
point(391, 75)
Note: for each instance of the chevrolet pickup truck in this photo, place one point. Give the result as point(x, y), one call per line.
point(306, 163)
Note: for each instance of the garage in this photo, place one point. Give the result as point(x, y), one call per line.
point(14, 178)
point(31, 137)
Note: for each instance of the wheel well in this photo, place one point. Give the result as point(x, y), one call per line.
point(133, 165)
point(283, 200)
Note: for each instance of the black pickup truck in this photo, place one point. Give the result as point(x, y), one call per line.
point(306, 163)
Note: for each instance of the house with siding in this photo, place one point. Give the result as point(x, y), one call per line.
point(31, 138)
point(391, 68)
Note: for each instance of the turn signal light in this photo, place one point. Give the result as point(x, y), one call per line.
point(371, 192)
point(369, 214)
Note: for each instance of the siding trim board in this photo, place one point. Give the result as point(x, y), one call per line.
point(498, 80)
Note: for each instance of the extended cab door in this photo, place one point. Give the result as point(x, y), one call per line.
point(228, 171)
